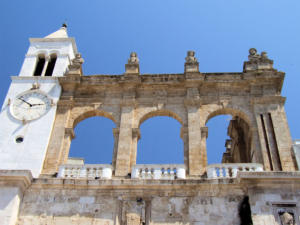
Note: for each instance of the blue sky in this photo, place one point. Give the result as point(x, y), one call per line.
point(221, 32)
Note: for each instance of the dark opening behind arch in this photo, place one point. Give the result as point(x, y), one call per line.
point(39, 65)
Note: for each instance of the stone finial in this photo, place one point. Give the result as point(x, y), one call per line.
point(190, 58)
point(257, 62)
point(191, 63)
point(75, 68)
point(132, 67)
point(133, 58)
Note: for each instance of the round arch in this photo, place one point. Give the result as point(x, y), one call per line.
point(91, 113)
point(229, 111)
point(242, 134)
point(167, 113)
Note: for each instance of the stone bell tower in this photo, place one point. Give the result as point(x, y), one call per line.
point(29, 108)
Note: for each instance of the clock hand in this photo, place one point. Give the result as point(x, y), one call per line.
point(36, 104)
point(25, 102)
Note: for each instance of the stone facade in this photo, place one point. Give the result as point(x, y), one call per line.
point(257, 182)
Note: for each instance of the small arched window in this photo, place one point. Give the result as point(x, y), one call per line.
point(40, 65)
point(51, 65)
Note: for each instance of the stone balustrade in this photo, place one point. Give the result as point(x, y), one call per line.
point(229, 170)
point(87, 171)
point(156, 171)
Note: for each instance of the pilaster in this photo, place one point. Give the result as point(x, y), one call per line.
point(59, 141)
point(125, 143)
point(136, 135)
point(185, 138)
point(195, 154)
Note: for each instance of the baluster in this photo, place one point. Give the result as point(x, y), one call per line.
point(234, 171)
point(149, 174)
point(83, 172)
point(226, 170)
point(143, 173)
point(165, 174)
point(98, 172)
point(221, 172)
point(66, 174)
point(157, 173)
point(172, 174)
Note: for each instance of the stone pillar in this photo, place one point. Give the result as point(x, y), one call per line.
point(116, 132)
point(123, 158)
point(196, 167)
point(283, 139)
point(136, 135)
point(68, 137)
point(185, 138)
point(275, 138)
point(45, 65)
point(266, 158)
point(56, 143)
point(204, 135)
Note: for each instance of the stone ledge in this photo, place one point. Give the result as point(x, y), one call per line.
point(269, 178)
point(19, 178)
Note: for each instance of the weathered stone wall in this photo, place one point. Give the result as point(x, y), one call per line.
point(134, 202)
point(131, 204)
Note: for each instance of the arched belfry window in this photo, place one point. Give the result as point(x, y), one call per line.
point(41, 60)
point(51, 65)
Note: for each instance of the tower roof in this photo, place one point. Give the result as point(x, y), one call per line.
point(60, 33)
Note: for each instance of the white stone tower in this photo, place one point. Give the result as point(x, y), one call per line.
point(29, 108)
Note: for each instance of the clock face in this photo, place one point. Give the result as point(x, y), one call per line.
point(30, 105)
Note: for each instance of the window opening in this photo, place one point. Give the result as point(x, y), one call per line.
point(160, 141)
point(51, 65)
point(233, 134)
point(40, 65)
point(217, 139)
point(93, 141)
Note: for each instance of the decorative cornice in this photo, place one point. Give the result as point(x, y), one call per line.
point(268, 100)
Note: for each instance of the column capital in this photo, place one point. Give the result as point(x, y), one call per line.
point(116, 132)
point(69, 132)
point(136, 133)
point(184, 131)
point(204, 132)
